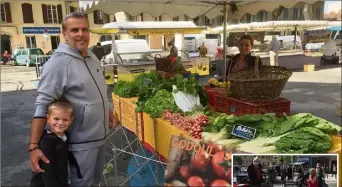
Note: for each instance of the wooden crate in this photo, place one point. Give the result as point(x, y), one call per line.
point(124, 110)
point(158, 133)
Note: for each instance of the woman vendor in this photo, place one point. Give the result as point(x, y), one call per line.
point(244, 59)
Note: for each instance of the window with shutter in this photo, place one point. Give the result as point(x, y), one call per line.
point(71, 9)
point(45, 13)
point(6, 13)
point(59, 13)
point(31, 42)
point(27, 13)
point(2, 13)
point(95, 14)
point(100, 17)
point(52, 13)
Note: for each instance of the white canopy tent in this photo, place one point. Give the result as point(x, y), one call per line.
point(149, 28)
point(191, 8)
point(271, 26)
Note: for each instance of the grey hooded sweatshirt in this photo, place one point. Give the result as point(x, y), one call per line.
point(79, 80)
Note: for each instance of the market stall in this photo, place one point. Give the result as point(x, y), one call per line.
point(232, 122)
point(290, 51)
point(131, 58)
point(158, 116)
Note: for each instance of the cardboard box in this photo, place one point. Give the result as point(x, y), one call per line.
point(309, 68)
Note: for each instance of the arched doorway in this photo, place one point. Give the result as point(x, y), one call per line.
point(6, 43)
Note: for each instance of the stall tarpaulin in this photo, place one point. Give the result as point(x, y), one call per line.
point(149, 28)
point(191, 8)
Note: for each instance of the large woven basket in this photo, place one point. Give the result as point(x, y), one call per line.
point(263, 84)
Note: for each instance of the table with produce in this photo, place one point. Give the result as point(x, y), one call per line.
point(178, 107)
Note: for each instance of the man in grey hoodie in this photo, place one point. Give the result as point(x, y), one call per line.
point(73, 73)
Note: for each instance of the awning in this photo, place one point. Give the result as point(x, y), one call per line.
point(191, 8)
point(150, 28)
point(335, 28)
point(271, 26)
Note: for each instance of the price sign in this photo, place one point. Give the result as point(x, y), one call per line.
point(244, 132)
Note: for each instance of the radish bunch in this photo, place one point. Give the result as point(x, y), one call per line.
point(191, 124)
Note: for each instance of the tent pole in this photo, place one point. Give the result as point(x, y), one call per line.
point(224, 39)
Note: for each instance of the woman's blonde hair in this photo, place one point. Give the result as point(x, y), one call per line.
point(313, 171)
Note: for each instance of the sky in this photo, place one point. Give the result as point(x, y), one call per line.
point(332, 6)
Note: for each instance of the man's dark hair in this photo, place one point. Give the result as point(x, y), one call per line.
point(73, 15)
point(247, 37)
point(98, 43)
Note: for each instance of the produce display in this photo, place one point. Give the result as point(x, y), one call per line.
point(214, 82)
point(192, 124)
point(197, 164)
point(300, 133)
point(155, 95)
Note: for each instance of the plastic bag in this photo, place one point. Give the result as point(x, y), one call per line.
point(186, 102)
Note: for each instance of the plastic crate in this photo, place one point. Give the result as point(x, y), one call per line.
point(238, 107)
point(211, 93)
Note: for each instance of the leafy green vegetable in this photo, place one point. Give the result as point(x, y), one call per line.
point(187, 85)
point(125, 89)
point(163, 100)
point(304, 140)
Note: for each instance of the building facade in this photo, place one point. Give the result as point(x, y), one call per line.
point(265, 160)
point(37, 24)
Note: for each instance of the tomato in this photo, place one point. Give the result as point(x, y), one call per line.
point(219, 183)
point(200, 160)
point(195, 181)
point(185, 171)
point(221, 164)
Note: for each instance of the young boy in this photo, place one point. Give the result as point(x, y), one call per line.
point(54, 146)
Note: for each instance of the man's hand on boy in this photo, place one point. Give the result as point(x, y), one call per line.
point(35, 156)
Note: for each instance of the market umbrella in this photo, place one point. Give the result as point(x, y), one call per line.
point(192, 8)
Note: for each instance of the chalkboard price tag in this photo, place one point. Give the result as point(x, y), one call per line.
point(244, 132)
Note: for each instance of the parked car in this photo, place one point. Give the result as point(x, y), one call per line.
point(331, 52)
point(27, 56)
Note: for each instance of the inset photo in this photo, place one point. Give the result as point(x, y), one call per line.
point(285, 170)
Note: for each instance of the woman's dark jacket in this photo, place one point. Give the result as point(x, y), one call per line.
point(250, 59)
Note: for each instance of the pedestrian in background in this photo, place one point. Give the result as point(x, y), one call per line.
point(99, 51)
point(274, 48)
point(203, 50)
point(334, 171)
point(255, 173)
point(312, 180)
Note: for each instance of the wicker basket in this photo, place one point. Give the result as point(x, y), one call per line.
point(163, 64)
point(259, 85)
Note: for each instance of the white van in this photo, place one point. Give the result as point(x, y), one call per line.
point(330, 51)
point(124, 46)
